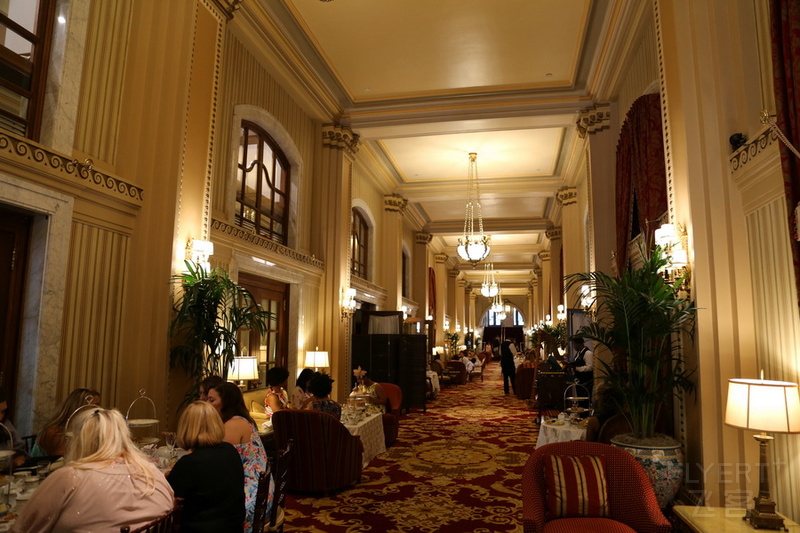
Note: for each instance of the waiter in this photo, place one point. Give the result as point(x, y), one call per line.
point(583, 364)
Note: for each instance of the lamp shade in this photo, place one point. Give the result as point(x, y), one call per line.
point(244, 368)
point(762, 405)
point(317, 359)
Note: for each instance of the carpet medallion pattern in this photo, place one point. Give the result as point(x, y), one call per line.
point(455, 468)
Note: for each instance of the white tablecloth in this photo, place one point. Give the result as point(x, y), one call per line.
point(434, 377)
point(549, 433)
point(371, 432)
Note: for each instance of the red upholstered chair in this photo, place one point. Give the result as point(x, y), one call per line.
point(632, 503)
point(325, 455)
point(391, 420)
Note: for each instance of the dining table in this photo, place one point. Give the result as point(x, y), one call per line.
point(370, 430)
point(560, 431)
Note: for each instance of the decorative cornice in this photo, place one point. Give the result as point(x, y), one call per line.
point(48, 161)
point(567, 196)
point(340, 137)
point(752, 150)
point(395, 203)
point(423, 238)
point(593, 119)
point(440, 258)
point(544, 256)
point(261, 242)
point(554, 234)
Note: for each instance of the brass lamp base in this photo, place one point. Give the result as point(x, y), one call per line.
point(763, 515)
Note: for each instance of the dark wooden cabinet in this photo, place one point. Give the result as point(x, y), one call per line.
point(398, 359)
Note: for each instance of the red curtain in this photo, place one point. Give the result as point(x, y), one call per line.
point(640, 173)
point(785, 29)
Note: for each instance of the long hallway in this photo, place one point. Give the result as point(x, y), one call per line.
point(455, 468)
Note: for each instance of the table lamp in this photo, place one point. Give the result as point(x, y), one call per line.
point(763, 405)
point(243, 369)
point(317, 359)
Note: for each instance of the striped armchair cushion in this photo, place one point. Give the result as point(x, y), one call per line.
point(576, 486)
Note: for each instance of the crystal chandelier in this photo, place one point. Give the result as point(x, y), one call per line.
point(497, 304)
point(473, 247)
point(489, 286)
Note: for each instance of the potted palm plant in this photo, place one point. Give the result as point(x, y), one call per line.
point(209, 313)
point(638, 319)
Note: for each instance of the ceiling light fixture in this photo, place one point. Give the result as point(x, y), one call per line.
point(473, 247)
point(489, 286)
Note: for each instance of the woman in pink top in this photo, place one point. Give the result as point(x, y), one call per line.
point(106, 483)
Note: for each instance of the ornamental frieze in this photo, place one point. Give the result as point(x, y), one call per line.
point(49, 162)
point(750, 151)
point(271, 246)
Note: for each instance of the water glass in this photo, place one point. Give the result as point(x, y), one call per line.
point(169, 440)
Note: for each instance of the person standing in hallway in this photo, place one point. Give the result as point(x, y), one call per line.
point(582, 364)
point(507, 353)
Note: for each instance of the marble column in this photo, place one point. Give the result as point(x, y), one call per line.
point(474, 322)
point(572, 247)
point(392, 250)
point(556, 272)
point(538, 288)
point(461, 315)
point(529, 317)
point(452, 276)
point(419, 273)
point(600, 127)
point(339, 146)
point(545, 285)
point(440, 270)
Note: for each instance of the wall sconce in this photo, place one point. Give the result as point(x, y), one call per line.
point(404, 309)
point(562, 313)
point(243, 369)
point(348, 302)
point(674, 241)
point(548, 320)
point(199, 252)
point(317, 359)
point(447, 324)
point(458, 327)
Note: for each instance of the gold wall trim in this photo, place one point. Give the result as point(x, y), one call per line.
point(51, 163)
point(271, 246)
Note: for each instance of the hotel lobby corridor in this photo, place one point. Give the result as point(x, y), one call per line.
point(455, 468)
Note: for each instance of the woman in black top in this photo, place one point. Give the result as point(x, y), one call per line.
point(209, 478)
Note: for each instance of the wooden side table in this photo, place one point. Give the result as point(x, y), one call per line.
point(699, 519)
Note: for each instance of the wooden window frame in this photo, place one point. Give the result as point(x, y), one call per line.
point(257, 225)
point(360, 239)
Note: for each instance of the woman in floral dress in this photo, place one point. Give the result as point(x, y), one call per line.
point(276, 398)
point(240, 430)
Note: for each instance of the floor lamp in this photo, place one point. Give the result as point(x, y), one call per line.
point(763, 405)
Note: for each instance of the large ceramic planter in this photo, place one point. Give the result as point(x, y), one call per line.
point(662, 462)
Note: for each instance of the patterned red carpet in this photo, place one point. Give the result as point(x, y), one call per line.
point(456, 468)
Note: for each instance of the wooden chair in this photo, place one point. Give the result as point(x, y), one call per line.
point(394, 410)
point(444, 378)
point(458, 372)
point(476, 371)
point(280, 474)
point(169, 522)
point(262, 498)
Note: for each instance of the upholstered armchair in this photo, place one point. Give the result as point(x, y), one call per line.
point(326, 456)
point(631, 502)
point(460, 371)
point(391, 420)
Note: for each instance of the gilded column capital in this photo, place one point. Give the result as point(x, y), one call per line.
point(544, 256)
point(340, 137)
point(537, 270)
point(593, 119)
point(473, 296)
point(423, 238)
point(440, 258)
point(567, 196)
point(395, 203)
point(461, 283)
point(554, 234)
point(453, 273)
point(534, 282)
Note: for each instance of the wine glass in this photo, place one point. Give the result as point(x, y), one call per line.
point(169, 440)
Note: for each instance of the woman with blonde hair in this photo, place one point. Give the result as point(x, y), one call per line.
point(105, 484)
point(210, 479)
point(51, 439)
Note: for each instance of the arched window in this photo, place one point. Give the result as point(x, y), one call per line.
point(360, 242)
point(262, 185)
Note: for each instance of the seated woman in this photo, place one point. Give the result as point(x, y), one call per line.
point(300, 392)
point(240, 430)
point(15, 442)
point(51, 441)
point(276, 398)
point(320, 388)
point(208, 383)
point(106, 482)
point(376, 398)
point(209, 478)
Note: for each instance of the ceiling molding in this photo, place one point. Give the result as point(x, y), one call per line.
point(528, 187)
point(493, 225)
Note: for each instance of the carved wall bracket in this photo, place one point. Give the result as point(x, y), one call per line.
point(567, 196)
point(395, 203)
point(340, 137)
point(593, 119)
point(554, 234)
point(424, 238)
